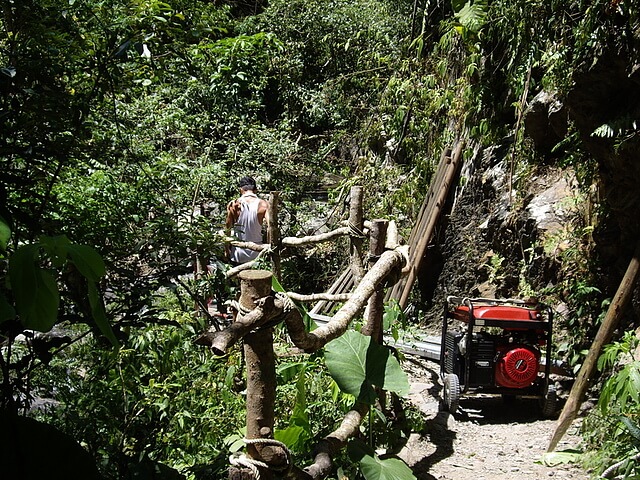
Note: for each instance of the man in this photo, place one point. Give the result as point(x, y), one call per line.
point(245, 216)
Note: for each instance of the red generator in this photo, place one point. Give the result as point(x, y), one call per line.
point(498, 347)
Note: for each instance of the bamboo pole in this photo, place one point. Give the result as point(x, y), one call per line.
point(616, 309)
point(423, 215)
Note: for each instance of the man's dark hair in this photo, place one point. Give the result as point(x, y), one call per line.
point(247, 183)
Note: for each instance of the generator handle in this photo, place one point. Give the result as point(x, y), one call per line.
point(466, 300)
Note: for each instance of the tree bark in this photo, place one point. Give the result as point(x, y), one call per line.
point(273, 234)
point(261, 374)
point(375, 306)
point(356, 223)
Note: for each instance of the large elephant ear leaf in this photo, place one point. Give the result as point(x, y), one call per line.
point(35, 290)
point(358, 365)
point(88, 261)
point(375, 468)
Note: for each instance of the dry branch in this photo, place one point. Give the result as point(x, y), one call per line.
point(220, 342)
point(257, 247)
point(232, 272)
point(314, 297)
point(330, 445)
point(311, 239)
point(312, 341)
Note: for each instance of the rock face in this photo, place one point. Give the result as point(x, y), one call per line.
point(497, 243)
point(545, 121)
point(604, 105)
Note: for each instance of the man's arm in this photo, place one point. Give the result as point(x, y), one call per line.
point(233, 212)
point(263, 210)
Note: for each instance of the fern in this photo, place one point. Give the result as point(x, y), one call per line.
point(611, 352)
point(620, 126)
point(471, 14)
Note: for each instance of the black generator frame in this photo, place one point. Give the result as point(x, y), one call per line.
point(471, 378)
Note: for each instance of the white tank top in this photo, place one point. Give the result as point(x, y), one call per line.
point(247, 229)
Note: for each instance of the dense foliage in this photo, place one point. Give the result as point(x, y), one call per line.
point(124, 124)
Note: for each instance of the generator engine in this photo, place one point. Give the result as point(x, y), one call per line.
point(510, 359)
point(517, 365)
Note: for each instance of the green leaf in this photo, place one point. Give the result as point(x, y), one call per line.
point(552, 459)
point(5, 234)
point(633, 428)
point(634, 383)
point(99, 315)
point(294, 437)
point(88, 261)
point(358, 365)
point(56, 248)
point(34, 289)
point(7, 312)
point(471, 14)
point(374, 468)
point(299, 416)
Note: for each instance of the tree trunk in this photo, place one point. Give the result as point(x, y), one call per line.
point(356, 223)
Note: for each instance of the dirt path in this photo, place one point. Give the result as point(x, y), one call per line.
point(484, 440)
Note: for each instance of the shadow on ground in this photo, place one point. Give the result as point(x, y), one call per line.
point(438, 436)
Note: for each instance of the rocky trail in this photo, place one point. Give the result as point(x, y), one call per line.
point(485, 439)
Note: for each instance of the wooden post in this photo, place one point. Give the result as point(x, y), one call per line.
point(273, 234)
point(261, 378)
point(356, 222)
point(617, 307)
point(375, 306)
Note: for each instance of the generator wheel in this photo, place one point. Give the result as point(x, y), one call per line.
point(451, 392)
point(549, 402)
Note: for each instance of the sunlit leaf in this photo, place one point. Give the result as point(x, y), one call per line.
point(552, 459)
point(358, 365)
point(375, 468)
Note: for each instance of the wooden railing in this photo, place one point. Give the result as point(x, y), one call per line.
point(259, 309)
